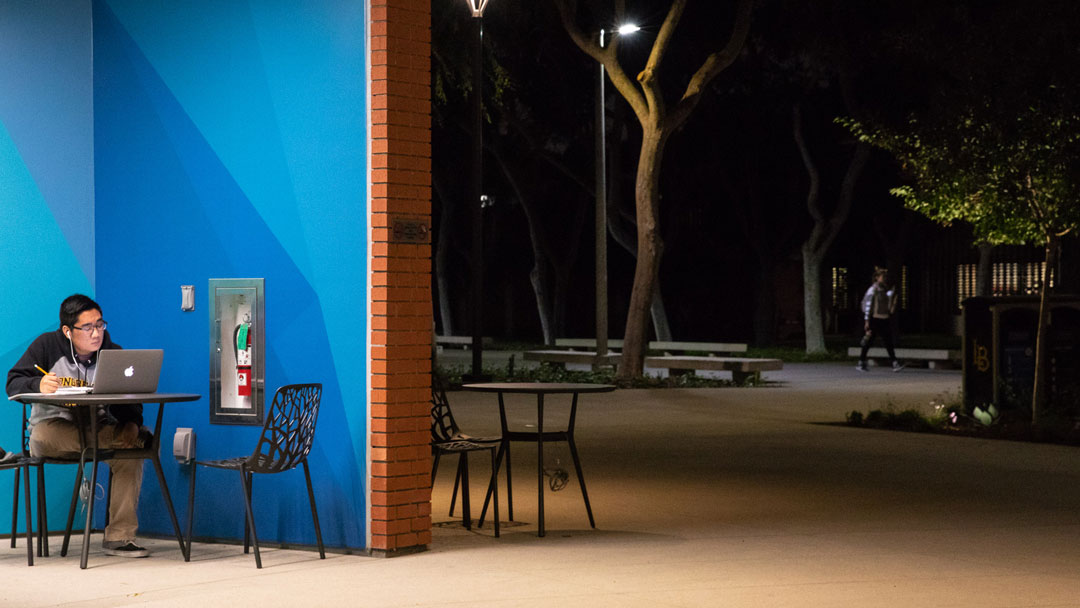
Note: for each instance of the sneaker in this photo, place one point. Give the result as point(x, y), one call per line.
point(861, 367)
point(897, 366)
point(6, 457)
point(124, 548)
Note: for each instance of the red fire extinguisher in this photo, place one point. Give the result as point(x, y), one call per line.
point(242, 343)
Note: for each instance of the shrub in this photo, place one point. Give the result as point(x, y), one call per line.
point(553, 373)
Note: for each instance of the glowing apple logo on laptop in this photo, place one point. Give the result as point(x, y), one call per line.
point(130, 371)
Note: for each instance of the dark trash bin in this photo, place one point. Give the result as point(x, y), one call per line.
point(999, 350)
point(978, 338)
point(1064, 356)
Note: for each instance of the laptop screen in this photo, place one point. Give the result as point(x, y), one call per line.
point(127, 371)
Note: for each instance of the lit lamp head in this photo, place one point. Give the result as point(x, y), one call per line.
point(477, 7)
point(622, 30)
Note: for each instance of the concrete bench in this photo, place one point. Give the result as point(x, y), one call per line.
point(741, 368)
point(562, 357)
point(459, 341)
point(589, 343)
point(667, 347)
point(935, 358)
point(698, 347)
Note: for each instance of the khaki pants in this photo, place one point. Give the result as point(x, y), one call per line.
point(57, 436)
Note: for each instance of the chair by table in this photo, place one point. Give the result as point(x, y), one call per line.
point(284, 443)
point(81, 406)
point(441, 411)
point(39, 465)
point(447, 438)
point(71, 458)
point(21, 464)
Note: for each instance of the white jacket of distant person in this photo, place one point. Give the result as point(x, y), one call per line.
point(879, 302)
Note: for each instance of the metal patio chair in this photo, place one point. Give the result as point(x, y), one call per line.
point(284, 443)
point(71, 458)
point(21, 463)
point(447, 438)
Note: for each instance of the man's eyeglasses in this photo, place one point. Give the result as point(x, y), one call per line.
point(90, 327)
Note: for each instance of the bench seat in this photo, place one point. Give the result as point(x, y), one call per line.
point(741, 368)
point(934, 357)
point(668, 347)
point(589, 343)
point(562, 357)
point(703, 347)
point(461, 341)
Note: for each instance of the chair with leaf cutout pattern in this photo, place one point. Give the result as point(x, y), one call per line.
point(285, 442)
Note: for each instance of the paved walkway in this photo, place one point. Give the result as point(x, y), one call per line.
point(703, 497)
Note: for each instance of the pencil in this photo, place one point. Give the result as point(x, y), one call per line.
point(41, 370)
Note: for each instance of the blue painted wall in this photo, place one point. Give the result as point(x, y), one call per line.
point(229, 141)
point(46, 190)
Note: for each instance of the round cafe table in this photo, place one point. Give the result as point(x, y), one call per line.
point(84, 406)
point(541, 390)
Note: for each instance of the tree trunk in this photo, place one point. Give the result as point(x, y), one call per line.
point(766, 230)
point(1039, 397)
point(562, 291)
point(539, 283)
point(562, 255)
point(985, 272)
point(646, 98)
point(623, 234)
point(826, 227)
point(539, 276)
point(658, 313)
point(765, 304)
point(815, 332)
point(649, 250)
point(442, 253)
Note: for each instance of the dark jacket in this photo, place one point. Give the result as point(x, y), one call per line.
point(52, 351)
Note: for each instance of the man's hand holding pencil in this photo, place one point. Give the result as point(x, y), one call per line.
point(49, 382)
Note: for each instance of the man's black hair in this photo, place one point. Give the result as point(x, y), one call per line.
point(73, 306)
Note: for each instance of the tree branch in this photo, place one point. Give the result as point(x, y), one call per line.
point(813, 202)
point(538, 150)
point(648, 77)
point(543, 248)
point(1036, 208)
point(847, 188)
point(606, 56)
point(713, 65)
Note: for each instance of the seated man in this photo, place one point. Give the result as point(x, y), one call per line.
point(68, 357)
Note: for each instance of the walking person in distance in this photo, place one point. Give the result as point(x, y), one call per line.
point(878, 306)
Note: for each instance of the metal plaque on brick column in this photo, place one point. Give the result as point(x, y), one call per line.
point(409, 230)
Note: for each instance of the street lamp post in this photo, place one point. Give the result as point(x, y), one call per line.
point(601, 205)
point(474, 193)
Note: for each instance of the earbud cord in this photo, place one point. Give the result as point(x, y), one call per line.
point(83, 372)
point(78, 368)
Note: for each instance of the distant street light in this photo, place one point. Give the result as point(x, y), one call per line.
point(601, 203)
point(477, 7)
point(473, 200)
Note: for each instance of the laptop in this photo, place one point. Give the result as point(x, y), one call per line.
point(127, 371)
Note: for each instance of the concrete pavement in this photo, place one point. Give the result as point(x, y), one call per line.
point(703, 497)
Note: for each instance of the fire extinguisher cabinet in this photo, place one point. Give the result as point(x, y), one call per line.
point(237, 346)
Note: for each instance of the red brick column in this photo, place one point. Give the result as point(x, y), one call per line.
point(401, 331)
